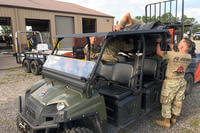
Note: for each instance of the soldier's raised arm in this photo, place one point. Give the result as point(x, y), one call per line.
point(171, 46)
point(158, 49)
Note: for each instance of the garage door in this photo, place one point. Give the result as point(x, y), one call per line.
point(65, 25)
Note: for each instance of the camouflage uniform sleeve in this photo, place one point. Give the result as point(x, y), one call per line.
point(85, 49)
point(94, 55)
point(126, 46)
point(165, 55)
point(94, 52)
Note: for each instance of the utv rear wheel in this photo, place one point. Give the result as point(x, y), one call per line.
point(78, 130)
point(35, 67)
point(26, 66)
point(190, 83)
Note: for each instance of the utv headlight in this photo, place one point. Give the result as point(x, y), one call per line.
point(60, 106)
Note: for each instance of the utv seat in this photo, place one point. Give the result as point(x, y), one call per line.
point(120, 75)
point(149, 69)
point(151, 84)
point(121, 58)
point(115, 92)
point(105, 70)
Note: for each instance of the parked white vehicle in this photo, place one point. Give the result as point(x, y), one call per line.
point(196, 36)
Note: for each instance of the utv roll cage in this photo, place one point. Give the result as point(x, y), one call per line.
point(154, 11)
point(108, 36)
point(163, 6)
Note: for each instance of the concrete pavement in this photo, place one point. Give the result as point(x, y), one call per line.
point(7, 61)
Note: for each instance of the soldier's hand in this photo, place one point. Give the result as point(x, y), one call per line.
point(171, 46)
point(159, 40)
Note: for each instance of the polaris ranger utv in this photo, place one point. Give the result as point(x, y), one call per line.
point(96, 96)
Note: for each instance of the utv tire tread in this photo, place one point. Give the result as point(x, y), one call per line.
point(78, 130)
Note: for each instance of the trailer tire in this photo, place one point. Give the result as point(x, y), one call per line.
point(26, 66)
point(78, 130)
point(190, 83)
point(35, 67)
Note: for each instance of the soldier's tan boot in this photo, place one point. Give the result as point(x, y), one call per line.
point(173, 119)
point(164, 123)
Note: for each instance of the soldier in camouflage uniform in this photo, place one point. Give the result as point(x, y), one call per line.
point(114, 47)
point(126, 21)
point(174, 86)
point(94, 49)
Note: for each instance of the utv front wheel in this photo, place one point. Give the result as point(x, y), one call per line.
point(78, 130)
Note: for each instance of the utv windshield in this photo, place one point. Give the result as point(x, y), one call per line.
point(76, 67)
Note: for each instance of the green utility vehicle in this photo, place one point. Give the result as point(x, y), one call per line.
point(96, 96)
point(79, 96)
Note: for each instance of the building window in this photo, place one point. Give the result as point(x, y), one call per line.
point(6, 37)
point(89, 25)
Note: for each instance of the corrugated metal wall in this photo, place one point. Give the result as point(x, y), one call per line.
point(19, 15)
point(65, 25)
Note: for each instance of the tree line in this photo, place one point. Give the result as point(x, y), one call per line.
point(168, 17)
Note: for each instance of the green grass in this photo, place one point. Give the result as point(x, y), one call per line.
point(195, 122)
point(13, 77)
point(3, 82)
point(23, 74)
point(11, 68)
point(186, 130)
point(9, 123)
point(196, 107)
point(9, 75)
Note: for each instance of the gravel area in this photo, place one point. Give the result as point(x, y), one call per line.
point(8, 60)
point(197, 46)
point(188, 122)
point(14, 82)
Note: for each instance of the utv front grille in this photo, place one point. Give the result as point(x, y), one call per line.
point(33, 110)
point(49, 110)
point(30, 112)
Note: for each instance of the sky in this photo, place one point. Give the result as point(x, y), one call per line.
point(118, 8)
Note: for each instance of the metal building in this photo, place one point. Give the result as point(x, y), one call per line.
point(52, 17)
